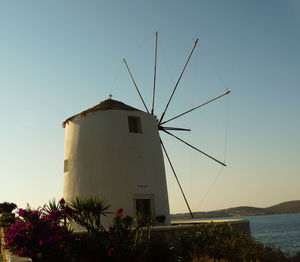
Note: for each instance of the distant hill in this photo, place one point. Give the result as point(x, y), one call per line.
point(282, 208)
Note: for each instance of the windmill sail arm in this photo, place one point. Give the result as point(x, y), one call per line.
point(154, 76)
point(173, 128)
point(186, 63)
point(195, 148)
point(173, 170)
point(135, 85)
point(194, 108)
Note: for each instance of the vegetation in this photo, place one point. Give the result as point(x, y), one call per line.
point(222, 243)
point(37, 235)
point(88, 213)
point(6, 207)
point(45, 235)
point(7, 218)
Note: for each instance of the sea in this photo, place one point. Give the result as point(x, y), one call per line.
point(281, 231)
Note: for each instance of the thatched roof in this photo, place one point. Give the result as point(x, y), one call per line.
point(108, 104)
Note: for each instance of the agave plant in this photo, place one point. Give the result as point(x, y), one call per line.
point(51, 206)
point(89, 211)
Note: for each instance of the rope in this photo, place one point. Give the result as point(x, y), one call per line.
point(128, 54)
point(210, 188)
point(138, 46)
point(225, 152)
point(115, 80)
point(226, 130)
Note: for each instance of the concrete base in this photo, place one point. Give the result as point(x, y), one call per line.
point(241, 225)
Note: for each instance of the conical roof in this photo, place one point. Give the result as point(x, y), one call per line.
point(108, 104)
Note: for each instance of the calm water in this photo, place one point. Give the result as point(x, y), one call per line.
point(282, 231)
point(279, 230)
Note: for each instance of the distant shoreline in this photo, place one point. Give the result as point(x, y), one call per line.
point(287, 207)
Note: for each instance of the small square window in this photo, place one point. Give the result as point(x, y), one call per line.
point(66, 165)
point(134, 124)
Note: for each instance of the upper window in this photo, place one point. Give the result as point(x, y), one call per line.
point(134, 124)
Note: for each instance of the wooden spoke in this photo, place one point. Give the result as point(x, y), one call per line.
point(154, 78)
point(135, 85)
point(163, 114)
point(188, 206)
point(195, 148)
point(226, 93)
point(173, 128)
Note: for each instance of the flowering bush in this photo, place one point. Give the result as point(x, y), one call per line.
point(126, 237)
point(38, 236)
point(43, 234)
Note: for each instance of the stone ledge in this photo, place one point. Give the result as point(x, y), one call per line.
point(9, 257)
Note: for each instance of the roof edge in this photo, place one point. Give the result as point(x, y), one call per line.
point(108, 104)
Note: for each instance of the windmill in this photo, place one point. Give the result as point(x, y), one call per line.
point(161, 122)
point(114, 151)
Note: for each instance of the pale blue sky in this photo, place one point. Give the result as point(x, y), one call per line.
point(61, 57)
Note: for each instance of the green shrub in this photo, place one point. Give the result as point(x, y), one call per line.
point(6, 207)
point(222, 243)
point(88, 212)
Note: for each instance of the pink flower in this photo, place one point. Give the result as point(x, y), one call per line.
point(68, 211)
point(22, 212)
point(111, 252)
point(53, 215)
point(62, 202)
point(120, 212)
point(141, 223)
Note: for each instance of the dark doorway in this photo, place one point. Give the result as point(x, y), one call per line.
point(143, 207)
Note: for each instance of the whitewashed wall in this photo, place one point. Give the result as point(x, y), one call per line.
point(105, 159)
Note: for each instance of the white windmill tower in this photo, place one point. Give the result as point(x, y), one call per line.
point(114, 151)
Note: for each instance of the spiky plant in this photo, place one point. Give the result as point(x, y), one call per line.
point(89, 211)
point(51, 206)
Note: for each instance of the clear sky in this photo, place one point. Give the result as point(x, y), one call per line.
point(59, 58)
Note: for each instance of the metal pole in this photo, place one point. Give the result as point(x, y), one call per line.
point(163, 114)
point(135, 85)
point(154, 78)
point(194, 148)
point(176, 178)
point(226, 93)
